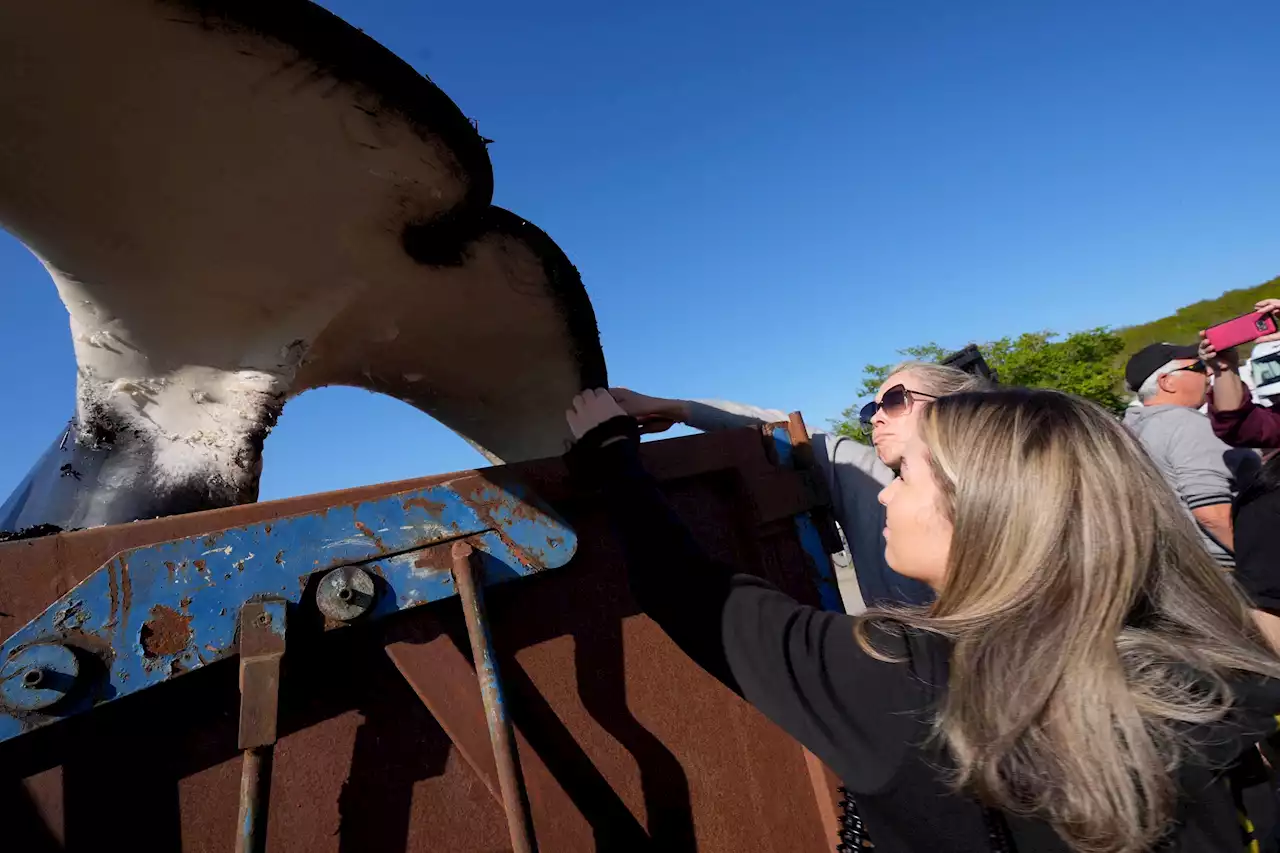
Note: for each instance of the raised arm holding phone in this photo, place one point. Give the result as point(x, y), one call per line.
point(1236, 419)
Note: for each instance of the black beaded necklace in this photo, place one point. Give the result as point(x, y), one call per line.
point(854, 837)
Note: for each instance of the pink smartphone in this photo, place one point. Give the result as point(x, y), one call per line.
point(1241, 330)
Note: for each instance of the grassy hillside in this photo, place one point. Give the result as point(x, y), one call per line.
point(1184, 326)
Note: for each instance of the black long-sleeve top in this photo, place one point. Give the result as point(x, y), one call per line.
point(868, 719)
point(1257, 557)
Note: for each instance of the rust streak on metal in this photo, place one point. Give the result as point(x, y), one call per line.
point(430, 507)
point(377, 540)
point(484, 508)
point(201, 566)
point(166, 633)
point(113, 590)
point(126, 591)
point(436, 558)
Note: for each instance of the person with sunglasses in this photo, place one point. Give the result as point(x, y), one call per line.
point(855, 473)
point(1172, 384)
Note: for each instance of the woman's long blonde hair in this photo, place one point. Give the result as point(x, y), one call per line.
point(1090, 626)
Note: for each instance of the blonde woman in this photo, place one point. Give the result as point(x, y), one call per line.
point(1088, 679)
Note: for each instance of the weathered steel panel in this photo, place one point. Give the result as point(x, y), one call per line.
point(623, 742)
point(156, 612)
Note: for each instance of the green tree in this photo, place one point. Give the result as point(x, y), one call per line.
point(1084, 363)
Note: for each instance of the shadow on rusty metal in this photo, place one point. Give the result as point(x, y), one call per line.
point(624, 743)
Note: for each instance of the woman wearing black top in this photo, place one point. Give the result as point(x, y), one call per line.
point(1087, 680)
point(1256, 521)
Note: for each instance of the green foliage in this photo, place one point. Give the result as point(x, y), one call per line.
point(1089, 364)
point(1185, 324)
point(873, 376)
point(1084, 363)
point(848, 424)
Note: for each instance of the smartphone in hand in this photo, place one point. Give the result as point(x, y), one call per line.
point(1241, 330)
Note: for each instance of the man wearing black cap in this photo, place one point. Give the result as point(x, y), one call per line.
point(1171, 383)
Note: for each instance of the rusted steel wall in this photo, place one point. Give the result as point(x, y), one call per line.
point(624, 743)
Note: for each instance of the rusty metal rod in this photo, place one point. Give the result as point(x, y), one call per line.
point(500, 735)
point(255, 783)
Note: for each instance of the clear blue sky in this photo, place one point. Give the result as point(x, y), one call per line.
point(764, 197)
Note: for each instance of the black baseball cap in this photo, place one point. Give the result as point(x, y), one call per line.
point(1148, 360)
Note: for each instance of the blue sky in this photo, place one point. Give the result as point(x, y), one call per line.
point(764, 197)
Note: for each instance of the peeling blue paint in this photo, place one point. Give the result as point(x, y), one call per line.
point(490, 682)
point(274, 612)
point(250, 820)
point(159, 611)
point(37, 677)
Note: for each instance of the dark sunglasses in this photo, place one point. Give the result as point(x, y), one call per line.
point(895, 401)
point(1197, 367)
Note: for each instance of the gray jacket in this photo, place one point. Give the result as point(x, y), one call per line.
point(1201, 468)
point(855, 476)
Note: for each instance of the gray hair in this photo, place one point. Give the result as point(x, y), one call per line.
point(1151, 385)
point(939, 379)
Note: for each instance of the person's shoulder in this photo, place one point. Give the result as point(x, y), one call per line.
point(931, 657)
point(842, 450)
point(1190, 415)
point(926, 654)
point(1186, 421)
point(1181, 415)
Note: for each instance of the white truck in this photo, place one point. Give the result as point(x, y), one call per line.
point(1261, 372)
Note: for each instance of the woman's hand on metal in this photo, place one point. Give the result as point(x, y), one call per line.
point(590, 409)
point(655, 414)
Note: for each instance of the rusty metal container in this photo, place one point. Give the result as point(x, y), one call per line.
point(624, 743)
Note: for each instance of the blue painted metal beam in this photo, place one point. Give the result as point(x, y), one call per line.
point(156, 612)
point(821, 570)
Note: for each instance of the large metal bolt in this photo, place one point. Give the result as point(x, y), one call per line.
point(37, 677)
point(346, 593)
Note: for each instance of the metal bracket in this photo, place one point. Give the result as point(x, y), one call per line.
point(262, 633)
point(262, 641)
point(157, 612)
